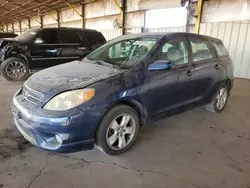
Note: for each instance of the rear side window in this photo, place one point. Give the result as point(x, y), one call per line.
point(94, 38)
point(201, 50)
point(221, 50)
point(69, 37)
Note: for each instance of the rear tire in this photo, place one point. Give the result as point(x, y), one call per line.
point(220, 99)
point(15, 69)
point(118, 130)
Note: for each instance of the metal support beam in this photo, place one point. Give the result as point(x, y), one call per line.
point(7, 27)
point(58, 19)
point(72, 8)
point(51, 15)
point(83, 16)
point(20, 26)
point(199, 15)
point(16, 25)
point(13, 28)
point(41, 18)
point(35, 20)
point(29, 23)
point(123, 15)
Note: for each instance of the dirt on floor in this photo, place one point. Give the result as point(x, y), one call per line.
point(193, 149)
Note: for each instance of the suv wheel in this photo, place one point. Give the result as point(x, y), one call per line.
point(15, 69)
point(118, 130)
point(219, 100)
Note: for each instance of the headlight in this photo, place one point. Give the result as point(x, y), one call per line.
point(70, 99)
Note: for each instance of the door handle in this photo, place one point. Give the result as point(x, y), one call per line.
point(81, 48)
point(189, 73)
point(217, 67)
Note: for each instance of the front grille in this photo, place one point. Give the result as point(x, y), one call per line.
point(31, 95)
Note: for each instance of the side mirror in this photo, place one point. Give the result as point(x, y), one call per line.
point(39, 41)
point(160, 65)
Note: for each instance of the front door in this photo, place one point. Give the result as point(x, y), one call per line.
point(207, 66)
point(172, 88)
point(45, 50)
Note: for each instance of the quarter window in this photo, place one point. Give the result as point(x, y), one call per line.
point(201, 50)
point(221, 50)
point(174, 51)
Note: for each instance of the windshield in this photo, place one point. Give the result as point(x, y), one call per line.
point(26, 35)
point(125, 53)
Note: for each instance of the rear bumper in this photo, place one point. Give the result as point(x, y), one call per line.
point(61, 134)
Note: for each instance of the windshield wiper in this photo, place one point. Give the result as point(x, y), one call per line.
point(101, 62)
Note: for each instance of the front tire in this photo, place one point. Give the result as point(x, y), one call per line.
point(220, 99)
point(15, 69)
point(118, 130)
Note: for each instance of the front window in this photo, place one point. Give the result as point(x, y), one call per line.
point(49, 36)
point(125, 53)
point(174, 51)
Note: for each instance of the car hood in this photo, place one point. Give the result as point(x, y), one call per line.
point(73, 75)
point(4, 41)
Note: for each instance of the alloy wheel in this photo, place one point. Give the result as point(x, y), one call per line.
point(121, 132)
point(15, 70)
point(221, 98)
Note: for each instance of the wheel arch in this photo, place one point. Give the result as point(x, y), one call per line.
point(21, 56)
point(229, 84)
point(138, 107)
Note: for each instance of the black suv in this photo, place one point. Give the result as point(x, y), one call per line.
point(45, 47)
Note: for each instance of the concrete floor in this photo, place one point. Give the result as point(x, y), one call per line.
point(192, 149)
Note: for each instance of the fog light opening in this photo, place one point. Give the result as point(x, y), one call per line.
point(59, 139)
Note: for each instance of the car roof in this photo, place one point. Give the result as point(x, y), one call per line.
point(68, 28)
point(159, 35)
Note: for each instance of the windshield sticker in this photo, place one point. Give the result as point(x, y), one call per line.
point(143, 43)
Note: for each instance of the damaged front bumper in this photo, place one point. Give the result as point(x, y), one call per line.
point(60, 134)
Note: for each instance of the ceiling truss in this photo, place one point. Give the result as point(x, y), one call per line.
point(13, 10)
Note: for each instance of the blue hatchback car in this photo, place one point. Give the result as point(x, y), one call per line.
point(134, 79)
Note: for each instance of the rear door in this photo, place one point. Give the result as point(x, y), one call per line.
point(46, 53)
point(72, 45)
point(207, 66)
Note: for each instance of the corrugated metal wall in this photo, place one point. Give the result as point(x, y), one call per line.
point(226, 10)
point(109, 34)
point(168, 29)
point(69, 18)
point(49, 20)
point(236, 37)
point(112, 33)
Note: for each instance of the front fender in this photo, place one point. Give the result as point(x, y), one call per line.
point(17, 50)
